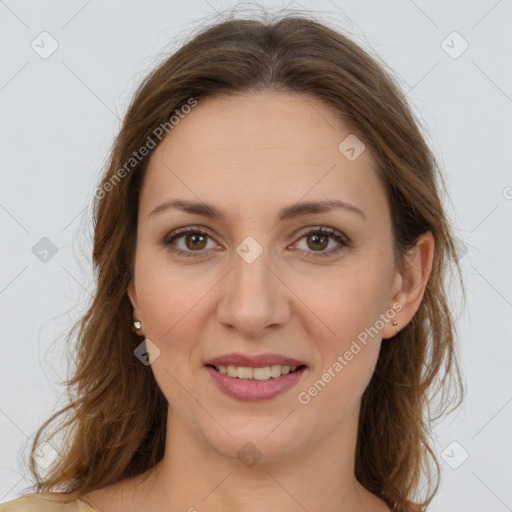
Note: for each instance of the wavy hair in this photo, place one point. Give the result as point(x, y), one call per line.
point(115, 430)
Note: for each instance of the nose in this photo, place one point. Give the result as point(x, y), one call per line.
point(254, 298)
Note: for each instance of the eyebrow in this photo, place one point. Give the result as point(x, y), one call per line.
point(287, 213)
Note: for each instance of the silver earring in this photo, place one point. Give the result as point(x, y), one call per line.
point(137, 324)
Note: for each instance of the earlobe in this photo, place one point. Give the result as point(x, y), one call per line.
point(137, 319)
point(414, 279)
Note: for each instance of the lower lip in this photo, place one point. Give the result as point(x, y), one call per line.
point(249, 389)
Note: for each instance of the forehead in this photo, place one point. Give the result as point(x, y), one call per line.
point(259, 149)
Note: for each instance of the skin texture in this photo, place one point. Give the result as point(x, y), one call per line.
point(251, 155)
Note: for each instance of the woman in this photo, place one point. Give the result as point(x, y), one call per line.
point(270, 322)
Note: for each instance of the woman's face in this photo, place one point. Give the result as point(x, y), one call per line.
point(253, 283)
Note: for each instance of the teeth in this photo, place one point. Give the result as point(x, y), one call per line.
point(244, 373)
point(275, 370)
point(263, 373)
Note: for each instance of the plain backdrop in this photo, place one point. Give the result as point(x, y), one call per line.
point(67, 72)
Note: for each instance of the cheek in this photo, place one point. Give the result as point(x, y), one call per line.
point(349, 299)
point(352, 306)
point(173, 299)
point(170, 298)
point(348, 354)
point(168, 293)
point(339, 386)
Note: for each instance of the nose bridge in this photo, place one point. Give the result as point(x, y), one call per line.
point(253, 298)
point(251, 272)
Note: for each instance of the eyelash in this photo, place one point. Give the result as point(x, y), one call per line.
point(336, 235)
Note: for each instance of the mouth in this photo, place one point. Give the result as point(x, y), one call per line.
point(255, 383)
point(262, 373)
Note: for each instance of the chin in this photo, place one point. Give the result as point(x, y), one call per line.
point(259, 439)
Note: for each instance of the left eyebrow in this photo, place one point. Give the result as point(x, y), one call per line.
point(287, 213)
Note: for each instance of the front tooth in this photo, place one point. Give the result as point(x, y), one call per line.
point(223, 369)
point(232, 371)
point(275, 371)
point(285, 369)
point(262, 373)
point(244, 372)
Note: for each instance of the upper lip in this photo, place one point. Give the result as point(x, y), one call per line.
point(256, 361)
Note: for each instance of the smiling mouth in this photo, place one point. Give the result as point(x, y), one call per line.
point(260, 373)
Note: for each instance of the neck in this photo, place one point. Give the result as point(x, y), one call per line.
point(196, 478)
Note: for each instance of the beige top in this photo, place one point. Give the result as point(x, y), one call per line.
point(39, 502)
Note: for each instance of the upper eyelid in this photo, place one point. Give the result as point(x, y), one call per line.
point(301, 233)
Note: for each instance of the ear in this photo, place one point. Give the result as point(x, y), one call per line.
point(410, 283)
point(132, 295)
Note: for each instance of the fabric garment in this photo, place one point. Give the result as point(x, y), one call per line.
point(39, 502)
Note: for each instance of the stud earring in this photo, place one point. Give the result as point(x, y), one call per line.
point(395, 323)
point(137, 324)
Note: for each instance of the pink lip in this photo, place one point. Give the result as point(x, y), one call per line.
point(253, 361)
point(251, 390)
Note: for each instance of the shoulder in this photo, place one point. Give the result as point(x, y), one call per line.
point(41, 502)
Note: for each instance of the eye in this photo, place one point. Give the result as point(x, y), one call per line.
point(319, 238)
point(196, 239)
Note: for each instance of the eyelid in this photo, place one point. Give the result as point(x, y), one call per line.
point(321, 229)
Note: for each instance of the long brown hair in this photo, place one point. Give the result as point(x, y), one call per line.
point(115, 429)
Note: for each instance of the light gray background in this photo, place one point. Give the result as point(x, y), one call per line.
point(58, 119)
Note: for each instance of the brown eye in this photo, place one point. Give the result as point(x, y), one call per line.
point(320, 241)
point(195, 240)
point(317, 240)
